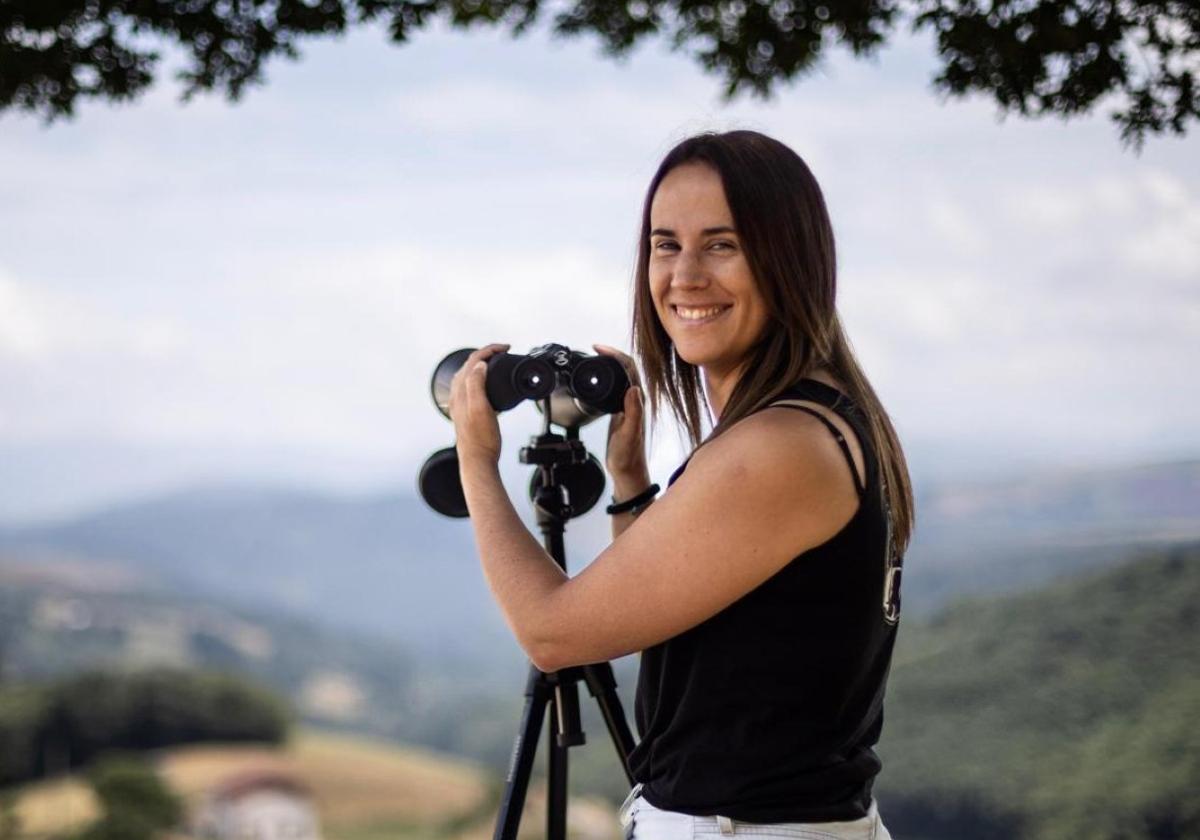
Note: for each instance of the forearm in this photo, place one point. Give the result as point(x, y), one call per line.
point(520, 573)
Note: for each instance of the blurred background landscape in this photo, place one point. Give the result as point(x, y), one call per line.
point(220, 590)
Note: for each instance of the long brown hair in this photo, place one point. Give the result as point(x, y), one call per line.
point(784, 226)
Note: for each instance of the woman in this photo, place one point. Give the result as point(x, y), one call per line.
point(762, 588)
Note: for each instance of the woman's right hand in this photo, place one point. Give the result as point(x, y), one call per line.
point(626, 455)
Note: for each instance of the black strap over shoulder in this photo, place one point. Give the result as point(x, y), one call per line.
point(813, 390)
point(859, 484)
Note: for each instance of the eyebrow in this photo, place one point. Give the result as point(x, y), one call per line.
point(706, 232)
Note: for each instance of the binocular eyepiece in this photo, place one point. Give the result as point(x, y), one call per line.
point(580, 387)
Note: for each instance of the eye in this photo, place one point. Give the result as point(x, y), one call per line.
point(666, 245)
point(723, 244)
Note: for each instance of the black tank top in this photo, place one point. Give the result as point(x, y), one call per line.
point(768, 711)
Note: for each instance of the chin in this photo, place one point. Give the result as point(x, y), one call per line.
point(694, 358)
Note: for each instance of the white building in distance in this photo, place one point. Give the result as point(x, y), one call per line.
point(262, 805)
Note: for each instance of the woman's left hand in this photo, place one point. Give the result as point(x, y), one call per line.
point(475, 425)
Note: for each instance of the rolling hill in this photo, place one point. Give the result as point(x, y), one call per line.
point(1062, 713)
point(388, 566)
point(1045, 685)
point(58, 619)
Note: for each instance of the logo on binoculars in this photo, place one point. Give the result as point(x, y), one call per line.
point(561, 358)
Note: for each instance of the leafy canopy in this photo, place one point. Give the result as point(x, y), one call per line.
point(1033, 58)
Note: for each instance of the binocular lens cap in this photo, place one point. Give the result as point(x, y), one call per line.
point(440, 485)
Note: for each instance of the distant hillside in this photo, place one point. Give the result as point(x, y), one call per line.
point(58, 619)
point(382, 564)
point(1065, 713)
point(1151, 502)
point(389, 566)
point(1001, 536)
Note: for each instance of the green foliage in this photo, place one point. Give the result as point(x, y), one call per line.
point(136, 804)
point(1132, 778)
point(1062, 57)
point(1068, 712)
point(1034, 58)
point(22, 714)
point(76, 719)
point(10, 821)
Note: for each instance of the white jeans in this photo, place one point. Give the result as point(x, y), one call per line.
point(642, 821)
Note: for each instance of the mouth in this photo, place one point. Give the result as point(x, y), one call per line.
point(698, 315)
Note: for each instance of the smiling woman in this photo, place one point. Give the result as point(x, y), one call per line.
point(763, 587)
point(704, 292)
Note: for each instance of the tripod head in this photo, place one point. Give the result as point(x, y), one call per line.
point(569, 479)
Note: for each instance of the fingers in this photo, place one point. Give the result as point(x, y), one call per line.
point(614, 352)
point(625, 360)
point(471, 368)
point(632, 402)
point(477, 356)
point(630, 414)
point(483, 354)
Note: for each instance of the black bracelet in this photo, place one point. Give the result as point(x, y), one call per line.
point(630, 504)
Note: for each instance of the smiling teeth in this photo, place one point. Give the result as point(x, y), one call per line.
point(697, 314)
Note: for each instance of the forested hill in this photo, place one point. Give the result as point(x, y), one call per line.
point(1069, 712)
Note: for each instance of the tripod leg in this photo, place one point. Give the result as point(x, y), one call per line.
point(556, 782)
point(516, 784)
point(566, 731)
point(602, 684)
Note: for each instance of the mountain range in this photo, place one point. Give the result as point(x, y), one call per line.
point(385, 564)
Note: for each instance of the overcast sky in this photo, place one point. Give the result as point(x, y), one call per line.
point(261, 291)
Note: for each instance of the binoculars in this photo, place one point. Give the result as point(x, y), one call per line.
point(580, 387)
point(570, 388)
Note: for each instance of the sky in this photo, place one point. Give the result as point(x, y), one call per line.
point(260, 291)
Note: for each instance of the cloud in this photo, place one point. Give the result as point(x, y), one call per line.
point(1148, 219)
point(326, 348)
point(42, 325)
point(22, 326)
point(288, 271)
point(1167, 238)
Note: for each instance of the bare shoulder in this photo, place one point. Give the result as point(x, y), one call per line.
point(777, 445)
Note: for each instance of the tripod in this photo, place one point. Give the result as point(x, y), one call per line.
point(567, 483)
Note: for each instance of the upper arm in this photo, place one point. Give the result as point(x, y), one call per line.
point(772, 487)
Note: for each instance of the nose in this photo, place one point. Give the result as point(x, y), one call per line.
point(689, 271)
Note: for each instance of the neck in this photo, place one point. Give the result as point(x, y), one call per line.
point(718, 386)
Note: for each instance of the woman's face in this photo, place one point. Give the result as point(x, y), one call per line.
point(701, 284)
